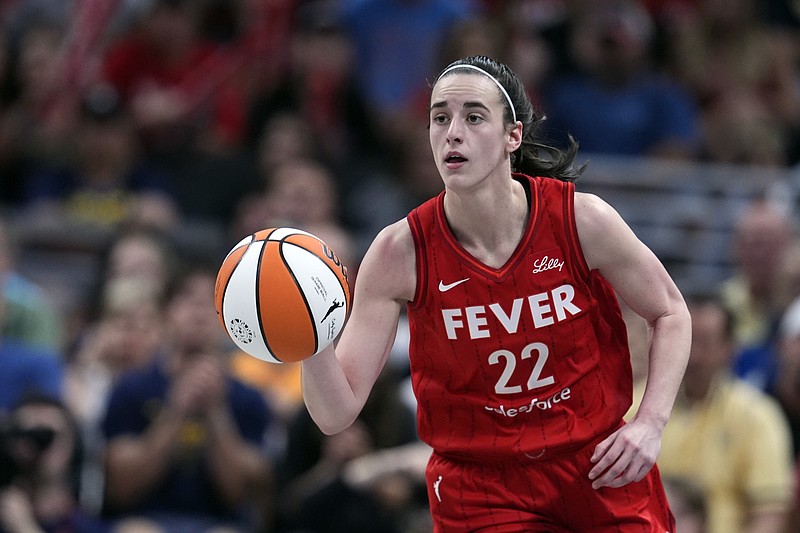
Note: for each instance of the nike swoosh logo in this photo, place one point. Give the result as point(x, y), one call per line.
point(445, 288)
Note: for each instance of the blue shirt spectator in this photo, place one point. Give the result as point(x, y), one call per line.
point(28, 371)
point(613, 100)
point(389, 33)
point(106, 181)
point(187, 489)
point(633, 119)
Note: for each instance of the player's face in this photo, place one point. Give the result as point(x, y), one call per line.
point(468, 136)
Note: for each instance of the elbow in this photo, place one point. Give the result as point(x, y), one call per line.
point(332, 417)
point(333, 425)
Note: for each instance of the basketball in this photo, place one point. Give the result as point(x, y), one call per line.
point(282, 295)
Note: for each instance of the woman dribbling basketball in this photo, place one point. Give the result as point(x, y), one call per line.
point(519, 358)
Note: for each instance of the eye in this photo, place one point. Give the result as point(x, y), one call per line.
point(474, 119)
point(441, 118)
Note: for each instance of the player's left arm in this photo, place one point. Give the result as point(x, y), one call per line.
point(642, 282)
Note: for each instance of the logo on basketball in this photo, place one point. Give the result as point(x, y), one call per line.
point(241, 331)
point(334, 306)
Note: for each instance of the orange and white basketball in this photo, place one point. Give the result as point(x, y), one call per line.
point(282, 295)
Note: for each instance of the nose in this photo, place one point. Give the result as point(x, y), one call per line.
point(454, 133)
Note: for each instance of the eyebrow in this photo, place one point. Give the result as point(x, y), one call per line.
point(467, 105)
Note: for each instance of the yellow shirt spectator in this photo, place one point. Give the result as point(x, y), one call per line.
point(736, 446)
point(726, 437)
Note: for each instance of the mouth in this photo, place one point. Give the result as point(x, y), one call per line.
point(454, 159)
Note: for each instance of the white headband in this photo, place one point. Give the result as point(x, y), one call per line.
point(499, 85)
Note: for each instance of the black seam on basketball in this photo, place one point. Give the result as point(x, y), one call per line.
point(230, 277)
point(258, 301)
point(300, 289)
point(345, 290)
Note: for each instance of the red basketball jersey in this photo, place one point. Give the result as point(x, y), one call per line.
point(530, 359)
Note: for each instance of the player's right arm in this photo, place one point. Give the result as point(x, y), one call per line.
point(337, 382)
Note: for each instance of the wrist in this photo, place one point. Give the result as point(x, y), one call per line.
point(655, 420)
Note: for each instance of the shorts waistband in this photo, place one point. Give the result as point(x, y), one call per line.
point(544, 454)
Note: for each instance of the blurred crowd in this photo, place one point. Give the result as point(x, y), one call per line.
point(140, 139)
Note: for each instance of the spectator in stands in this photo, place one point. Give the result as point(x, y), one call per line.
point(320, 87)
point(176, 82)
point(31, 316)
point(615, 102)
point(107, 183)
point(412, 178)
point(285, 137)
point(483, 33)
point(185, 439)
point(744, 76)
point(727, 437)
point(758, 364)
point(41, 470)
point(478, 34)
point(37, 119)
point(530, 54)
point(25, 370)
point(314, 493)
point(116, 328)
point(299, 194)
point(761, 238)
point(127, 335)
point(738, 130)
point(144, 253)
point(388, 33)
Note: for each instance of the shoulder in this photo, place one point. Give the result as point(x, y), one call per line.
point(607, 242)
point(751, 410)
point(396, 239)
point(390, 261)
point(750, 402)
point(595, 220)
point(590, 206)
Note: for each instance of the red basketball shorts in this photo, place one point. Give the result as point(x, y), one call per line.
point(553, 496)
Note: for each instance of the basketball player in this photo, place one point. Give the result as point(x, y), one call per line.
point(519, 358)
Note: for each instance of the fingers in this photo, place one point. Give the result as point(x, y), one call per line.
point(609, 463)
point(618, 461)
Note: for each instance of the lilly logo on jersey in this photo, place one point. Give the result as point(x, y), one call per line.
point(546, 263)
point(544, 309)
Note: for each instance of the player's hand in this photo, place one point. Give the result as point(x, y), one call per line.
point(626, 455)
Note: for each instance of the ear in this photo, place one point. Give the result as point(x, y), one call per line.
point(514, 138)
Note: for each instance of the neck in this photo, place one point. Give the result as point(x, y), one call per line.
point(489, 223)
point(697, 385)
